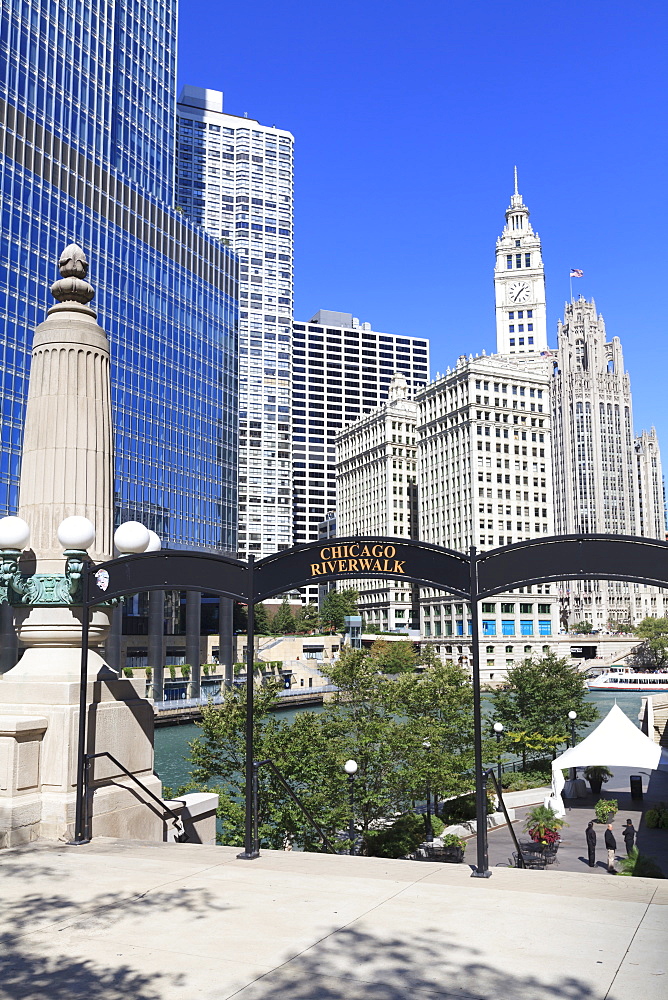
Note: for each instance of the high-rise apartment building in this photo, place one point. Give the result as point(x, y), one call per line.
point(377, 495)
point(342, 370)
point(519, 284)
point(235, 178)
point(87, 111)
point(606, 480)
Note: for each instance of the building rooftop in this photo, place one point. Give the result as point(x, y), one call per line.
point(115, 919)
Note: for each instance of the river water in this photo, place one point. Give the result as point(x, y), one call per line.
point(171, 742)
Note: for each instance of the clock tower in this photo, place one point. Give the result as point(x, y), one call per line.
point(519, 284)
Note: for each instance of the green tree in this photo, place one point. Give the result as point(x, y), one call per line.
point(239, 617)
point(538, 695)
point(393, 657)
point(307, 619)
point(283, 622)
point(336, 605)
point(654, 631)
point(427, 657)
point(262, 622)
point(584, 627)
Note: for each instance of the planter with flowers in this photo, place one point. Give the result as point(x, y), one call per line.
point(543, 826)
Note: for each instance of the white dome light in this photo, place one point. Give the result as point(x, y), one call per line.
point(14, 533)
point(76, 533)
point(350, 767)
point(131, 538)
point(154, 544)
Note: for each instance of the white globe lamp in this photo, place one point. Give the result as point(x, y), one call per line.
point(76, 533)
point(154, 544)
point(14, 533)
point(350, 767)
point(131, 538)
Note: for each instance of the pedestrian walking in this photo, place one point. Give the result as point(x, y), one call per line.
point(590, 834)
point(611, 847)
point(629, 835)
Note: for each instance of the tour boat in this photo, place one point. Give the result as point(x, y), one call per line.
point(626, 679)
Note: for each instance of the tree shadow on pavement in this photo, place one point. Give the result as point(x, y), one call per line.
point(351, 965)
point(31, 967)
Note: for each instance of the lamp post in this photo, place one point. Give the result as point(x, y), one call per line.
point(350, 767)
point(498, 729)
point(573, 716)
point(429, 837)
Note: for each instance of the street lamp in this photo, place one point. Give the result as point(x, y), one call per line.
point(350, 767)
point(573, 716)
point(498, 729)
point(426, 745)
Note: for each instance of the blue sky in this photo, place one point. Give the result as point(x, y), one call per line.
point(408, 119)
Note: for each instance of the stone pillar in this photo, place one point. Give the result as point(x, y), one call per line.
point(67, 470)
point(226, 640)
point(193, 640)
point(156, 642)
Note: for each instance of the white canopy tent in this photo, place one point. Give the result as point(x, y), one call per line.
point(614, 742)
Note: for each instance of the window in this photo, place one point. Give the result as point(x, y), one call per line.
point(509, 649)
point(544, 627)
point(490, 649)
point(518, 260)
point(507, 609)
point(520, 314)
point(488, 627)
point(526, 628)
point(530, 340)
point(526, 609)
point(511, 328)
point(529, 313)
point(543, 609)
point(511, 315)
point(509, 262)
point(527, 260)
point(508, 627)
point(488, 609)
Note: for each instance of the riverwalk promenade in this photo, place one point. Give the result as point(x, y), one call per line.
point(115, 920)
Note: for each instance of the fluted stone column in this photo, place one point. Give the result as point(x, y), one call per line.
point(67, 470)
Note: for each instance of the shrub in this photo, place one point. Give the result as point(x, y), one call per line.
point(128, 671)
point(205, 669)
point(172, 671)
point(462, 809)
point(543, 825)
point(452, 840)
point(185, 671)
point(398, 840)
point(657, 818)
point(597, 771)
point(605, 810)
point(149, 673)
point(518, 781)
point(638, 865)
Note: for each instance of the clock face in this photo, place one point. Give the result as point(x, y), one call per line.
point(519, 291)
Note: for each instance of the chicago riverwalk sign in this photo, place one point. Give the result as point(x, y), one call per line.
point(473, 576)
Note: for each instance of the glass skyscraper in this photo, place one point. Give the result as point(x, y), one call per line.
point(87, 140)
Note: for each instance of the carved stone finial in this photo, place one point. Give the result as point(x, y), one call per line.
point(73, 267)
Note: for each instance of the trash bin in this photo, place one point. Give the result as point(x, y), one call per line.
point(636, 786)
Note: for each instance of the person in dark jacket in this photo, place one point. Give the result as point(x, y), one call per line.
point(590, 834)
point(629, 835)
point(611, 847)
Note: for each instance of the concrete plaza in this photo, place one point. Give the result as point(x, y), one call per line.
point(115, 919)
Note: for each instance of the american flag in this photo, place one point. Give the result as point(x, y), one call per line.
point(576, 273)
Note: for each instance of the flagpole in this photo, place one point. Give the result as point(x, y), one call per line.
point(570, 279)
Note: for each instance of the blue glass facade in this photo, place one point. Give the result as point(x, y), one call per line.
point(87, 97)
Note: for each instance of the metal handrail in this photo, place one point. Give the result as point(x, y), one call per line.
point(256, 766)
point(181, 835)
point(520, 856)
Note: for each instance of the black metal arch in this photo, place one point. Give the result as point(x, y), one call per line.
point(473, 576)
point(573, 557)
